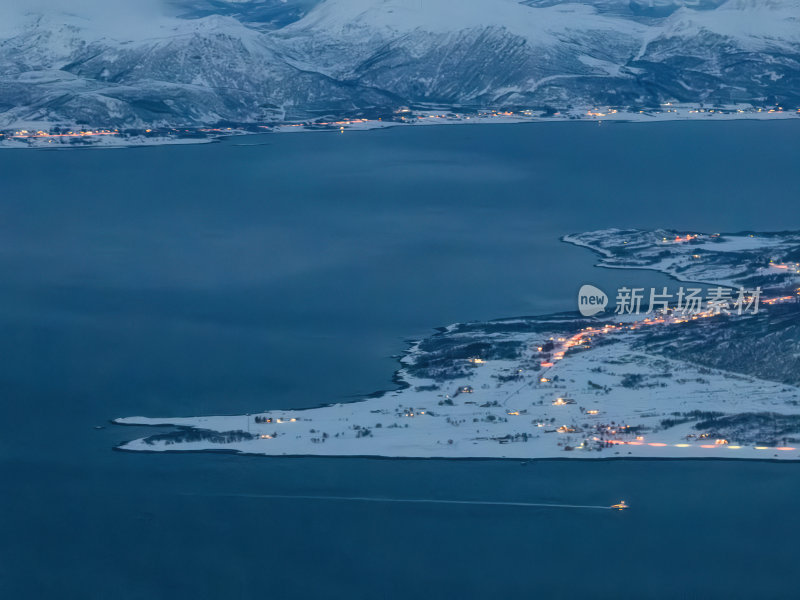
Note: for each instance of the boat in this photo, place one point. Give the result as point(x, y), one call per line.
point(620, 505)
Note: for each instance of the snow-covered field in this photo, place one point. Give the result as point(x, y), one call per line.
point(527, 421)
point(98, 142)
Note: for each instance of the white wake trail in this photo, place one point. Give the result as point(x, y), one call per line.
point(412, 501)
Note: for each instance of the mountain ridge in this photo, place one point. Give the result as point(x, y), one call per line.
point(348, 55)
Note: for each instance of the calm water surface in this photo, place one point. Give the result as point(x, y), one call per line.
point(287, 271)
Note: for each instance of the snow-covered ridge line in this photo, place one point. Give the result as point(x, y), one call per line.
point(554, 387)
point(373, 54)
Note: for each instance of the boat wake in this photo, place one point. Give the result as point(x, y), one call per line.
point(411, 501)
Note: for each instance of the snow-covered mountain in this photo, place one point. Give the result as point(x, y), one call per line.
point(210, 61)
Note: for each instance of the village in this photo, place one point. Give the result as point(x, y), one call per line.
point(574, 399)
point(561, 386)
point(38, 136)
point(548, 387)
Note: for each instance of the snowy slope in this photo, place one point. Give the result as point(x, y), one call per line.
point(482, 52)
point(194, 67)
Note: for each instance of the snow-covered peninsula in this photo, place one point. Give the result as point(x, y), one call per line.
point(713, 384)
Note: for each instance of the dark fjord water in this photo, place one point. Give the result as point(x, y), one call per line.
point(235, 277)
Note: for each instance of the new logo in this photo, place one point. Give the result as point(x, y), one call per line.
point(591, 300)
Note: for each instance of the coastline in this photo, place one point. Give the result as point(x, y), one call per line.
point(87, 137)
point(556, 386)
